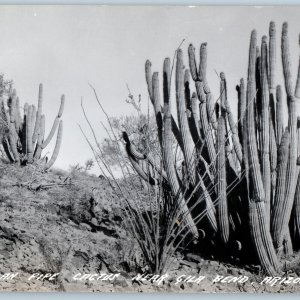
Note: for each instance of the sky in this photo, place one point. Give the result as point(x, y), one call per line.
point(68, 47)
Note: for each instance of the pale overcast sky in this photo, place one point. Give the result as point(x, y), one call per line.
point(67, 47)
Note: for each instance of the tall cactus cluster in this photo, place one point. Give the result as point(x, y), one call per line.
point(25, 137)
point(238, 188)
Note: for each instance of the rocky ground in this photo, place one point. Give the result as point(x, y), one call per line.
point(67, 224)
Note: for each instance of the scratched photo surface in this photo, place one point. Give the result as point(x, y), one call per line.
point(150, 149)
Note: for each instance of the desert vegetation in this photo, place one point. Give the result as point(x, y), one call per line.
point(200, 183)
point(237, 190)
point(23, 135)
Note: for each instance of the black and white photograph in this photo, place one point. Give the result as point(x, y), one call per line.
point(150, 149)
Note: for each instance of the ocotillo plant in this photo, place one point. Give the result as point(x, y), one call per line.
point(25, 137)
point(240, 184)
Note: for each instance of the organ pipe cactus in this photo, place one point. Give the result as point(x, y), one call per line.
point(242, 173)
point(222, 210)
point(26, 136)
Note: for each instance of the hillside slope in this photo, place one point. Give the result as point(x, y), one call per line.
point(71, 223)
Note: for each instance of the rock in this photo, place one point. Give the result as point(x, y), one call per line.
point(233, 271)
point(189, 264)
point(125, 275)
point(121, 281)
point(94, 221)
point(185, 268)
point(214, 263)
point(71, 223)
point(85, 226)
point(135, 284)
point(194, 258)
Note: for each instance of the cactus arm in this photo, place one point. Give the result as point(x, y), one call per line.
point(256, 190)
point(187, 93)
point(156, 167)
point(51, 134)
point(233, 126)
point(29, 150)
point(139, 170)
point(297, 88)
point(24, 129)
point(222, 208)
point(291, 169)
point(176, 133)
point(286, 61)
point(136, 155)
point(189, 150)
point(12, 134)
point(292, 125)
point(40, 139)
point(148, 73)
point(272, 57)
point(157, 105)
point(33, 121)
point(203, 62)
point(205, 126)
point(182, 118)
point(13, 116)
point(209, 206)
point(280, 188)
point(169, 160)
point(38, 115)
point(13, 142)
point(273, 159)
point(61, 107)
point(33, 118)
point(11, 103)
point(241, 107)
point(18, 115)
point(258, 241)
point(55, 124)
point(194, 121)
point(258, 101)
point(231, 162)
point(192, 62)
point(279, 115)
point(296, 208)
point(57, 146)
point(272, 110)
point(133, 152)
point(265, 132)
point(211, 114)
point(6, 148)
